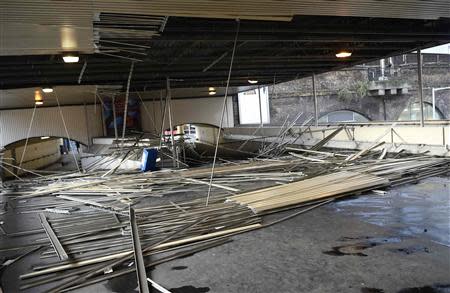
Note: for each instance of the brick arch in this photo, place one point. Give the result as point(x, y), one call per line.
point(323, 114)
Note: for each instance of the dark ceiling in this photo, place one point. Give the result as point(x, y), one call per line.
point(196, 52)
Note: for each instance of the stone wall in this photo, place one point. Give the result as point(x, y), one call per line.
point(352, 89)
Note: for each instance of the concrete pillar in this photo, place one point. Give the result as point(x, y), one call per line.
point(420, 82)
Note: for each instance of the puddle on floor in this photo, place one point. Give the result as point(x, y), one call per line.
point(358, 248)
point(178, 268)
point(189, 289)
point(122, 284)
point(427, 289)
point(421, 209)
point(412, 249)
point(371, 290)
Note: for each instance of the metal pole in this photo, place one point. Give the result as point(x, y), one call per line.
point(125, 110)
point(168, 101)
point(260, 106)
point(316, 107)
point(419, 79)
point(116, 134)
point(86, 117)
point(67, 132)
point(225, 97)
point(138, 256)
point(28, 136)
point(434, 103)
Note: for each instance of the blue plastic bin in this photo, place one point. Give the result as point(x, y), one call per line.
point(149, 160)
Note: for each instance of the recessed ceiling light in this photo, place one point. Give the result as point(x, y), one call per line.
point(38, 100)
point(343, 54)
point(47, 89)
point(252, 81)
point(211, 89)
point(211, 93)
point(71, 58)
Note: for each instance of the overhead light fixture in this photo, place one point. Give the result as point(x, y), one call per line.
point(45, 137)
point(38, 100)
point(211, 93)
point(47, 89)
point(252, 81)
point(343, 54)
point(211, 89)
point(71, 58)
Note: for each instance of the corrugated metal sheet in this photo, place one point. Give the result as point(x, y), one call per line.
point(51, 26)
point(47, 122)
point(201, 110)
point(67, 11)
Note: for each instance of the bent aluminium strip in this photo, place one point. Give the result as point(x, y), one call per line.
point(53, 238)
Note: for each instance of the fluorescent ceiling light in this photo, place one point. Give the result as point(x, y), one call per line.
point(45, 137)
point(71, 58)
point(252, 81)
point(211, 93)
point(211, 89)
point(39, 102)
point(343, 54)
point(47, 89)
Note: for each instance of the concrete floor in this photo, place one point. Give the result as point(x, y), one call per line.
point(398, 242)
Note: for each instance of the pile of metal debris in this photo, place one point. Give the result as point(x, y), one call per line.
point(97, 225)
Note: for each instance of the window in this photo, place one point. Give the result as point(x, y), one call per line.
point(342, 116)
point(412, 112)
point(251, 107)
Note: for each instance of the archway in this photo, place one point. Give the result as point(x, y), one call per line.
point(343, 116)
point(37, 153)
point(412, 112)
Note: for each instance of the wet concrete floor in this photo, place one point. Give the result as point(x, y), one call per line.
point(397, 242)
point(421, 209)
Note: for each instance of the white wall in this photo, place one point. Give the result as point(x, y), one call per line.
point(195, 110)
point(83, 123)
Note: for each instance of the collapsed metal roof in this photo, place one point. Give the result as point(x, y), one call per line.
point(195, 52)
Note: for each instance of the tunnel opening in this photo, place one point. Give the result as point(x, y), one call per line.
point(40, 155)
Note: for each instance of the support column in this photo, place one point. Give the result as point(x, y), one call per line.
point(260, 107)
point(420, 83)
point(316, 106)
